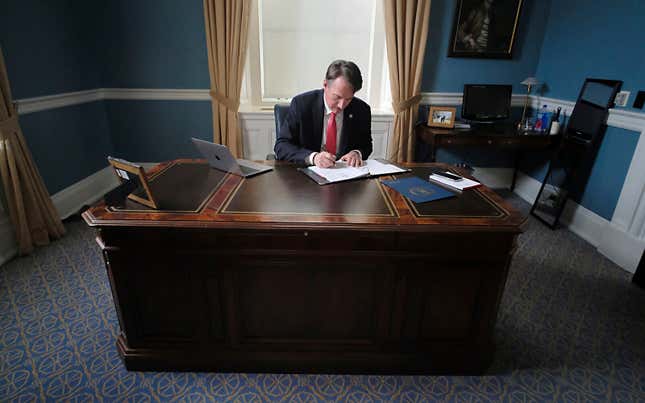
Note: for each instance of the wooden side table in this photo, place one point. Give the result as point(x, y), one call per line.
point(495, 138)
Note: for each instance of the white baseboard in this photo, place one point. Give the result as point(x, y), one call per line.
point(495, 178)
point(611, 241)
point(584, 223)
point(67, 202)
point(89, 190)
point(84, 192)
point(621, 247)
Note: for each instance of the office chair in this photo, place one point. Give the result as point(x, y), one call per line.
point(279, 114)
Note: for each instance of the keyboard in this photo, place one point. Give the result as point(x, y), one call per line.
point(251, 164)
point(246, 170)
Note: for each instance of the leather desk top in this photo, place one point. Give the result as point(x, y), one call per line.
point(192, 194)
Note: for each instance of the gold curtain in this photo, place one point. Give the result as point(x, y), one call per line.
point(406, 32)
point(227, 24)
point(31, 210)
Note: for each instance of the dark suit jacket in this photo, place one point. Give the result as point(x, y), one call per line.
point(301, 132)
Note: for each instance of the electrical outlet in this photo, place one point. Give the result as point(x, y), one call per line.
point(621, 98)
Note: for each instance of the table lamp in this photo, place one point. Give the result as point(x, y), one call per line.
point(529, 82)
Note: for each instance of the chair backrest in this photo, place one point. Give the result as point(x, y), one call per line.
point(279, 113)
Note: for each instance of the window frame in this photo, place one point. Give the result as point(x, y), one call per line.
point(376, 88)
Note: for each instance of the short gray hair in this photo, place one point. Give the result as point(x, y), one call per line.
point(348, 70)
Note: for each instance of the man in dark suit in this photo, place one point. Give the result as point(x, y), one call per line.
point(328, 124)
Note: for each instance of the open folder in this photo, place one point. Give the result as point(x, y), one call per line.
point(343, 172)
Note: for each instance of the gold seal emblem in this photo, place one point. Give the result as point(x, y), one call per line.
point(420, 191)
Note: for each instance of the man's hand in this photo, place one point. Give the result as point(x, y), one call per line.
point(324, 159)
point(352, 158)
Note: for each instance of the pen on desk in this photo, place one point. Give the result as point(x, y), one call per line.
point(448, 175)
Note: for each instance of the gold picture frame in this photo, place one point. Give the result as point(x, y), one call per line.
point(128, 171)
point(485, 28)
point(442, 116)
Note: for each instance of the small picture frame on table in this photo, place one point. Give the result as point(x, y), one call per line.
point(127, 171)
point(442, 116)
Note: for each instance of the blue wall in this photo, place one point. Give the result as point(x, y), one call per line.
point(602, 40)
point(52, 48)
point(449, 74)
point(49, 46)
point(561, 43)
point(154, 44)
point(608, 173)
point(68, 144)
point(158, 130)
point(75, 45)
point(599, 39)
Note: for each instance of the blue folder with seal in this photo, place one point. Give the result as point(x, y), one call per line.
point(418, 190)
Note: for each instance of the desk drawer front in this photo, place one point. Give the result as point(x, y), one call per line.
point(304, 304)
point(246, 240)
point(457, 245)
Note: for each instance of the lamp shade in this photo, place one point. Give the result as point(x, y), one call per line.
point(530, 81)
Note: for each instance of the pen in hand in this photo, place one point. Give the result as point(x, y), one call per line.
point(324, 159)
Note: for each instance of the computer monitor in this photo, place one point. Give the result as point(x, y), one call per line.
point(486, 103)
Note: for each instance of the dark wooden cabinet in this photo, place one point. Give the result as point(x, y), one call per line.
point(504, 138)
point(308, 280)
point(501, 138)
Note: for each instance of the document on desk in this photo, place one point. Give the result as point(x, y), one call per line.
point(418, 190)
point(382, 167)
point(461, 184)
point(342, 172)
point(338, 173)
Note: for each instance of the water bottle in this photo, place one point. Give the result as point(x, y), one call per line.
point(555, 122)
point(542, 119)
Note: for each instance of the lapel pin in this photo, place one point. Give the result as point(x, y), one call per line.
point(351, 116)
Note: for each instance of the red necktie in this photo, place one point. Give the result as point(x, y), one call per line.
point(330, 142)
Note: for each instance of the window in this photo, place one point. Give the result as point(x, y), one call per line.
point(291, 43)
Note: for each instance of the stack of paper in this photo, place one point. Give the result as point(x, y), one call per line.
point(460, 184)
point(376, 167)
point(342, 172)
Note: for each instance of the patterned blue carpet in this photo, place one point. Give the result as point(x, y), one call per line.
point(571, 328)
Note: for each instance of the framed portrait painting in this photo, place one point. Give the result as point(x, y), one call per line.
point(485, 28)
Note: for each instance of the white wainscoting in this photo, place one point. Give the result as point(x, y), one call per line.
point(622, 239)
point(84, 192)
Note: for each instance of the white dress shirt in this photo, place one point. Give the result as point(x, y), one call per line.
point(339, 131)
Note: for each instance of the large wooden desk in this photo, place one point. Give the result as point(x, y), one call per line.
point(276, 273)
point(495, 138)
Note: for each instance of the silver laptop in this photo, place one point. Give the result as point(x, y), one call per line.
point(220, 157)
